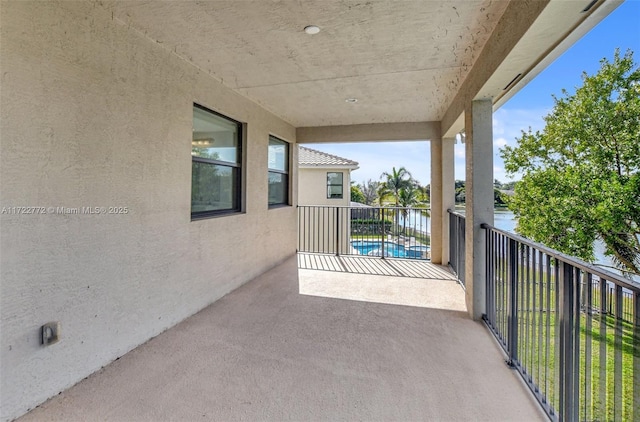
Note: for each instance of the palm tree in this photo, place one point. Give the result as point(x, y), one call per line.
point(407, 197)
point(394, 182)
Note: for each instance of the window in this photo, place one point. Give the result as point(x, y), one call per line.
point(216, 164)
point(278, 172)
point(334, 185)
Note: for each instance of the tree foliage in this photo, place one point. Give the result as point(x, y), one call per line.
point(394, 182)
point(370, 191)
point(581, 173)
point(356, 194)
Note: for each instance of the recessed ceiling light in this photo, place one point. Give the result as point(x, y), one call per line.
point(311, 29)
point(351, 100)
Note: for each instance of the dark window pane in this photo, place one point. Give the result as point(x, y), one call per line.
point(334, 185)
point(278, 188)
point(213, 187)
point(216, 157)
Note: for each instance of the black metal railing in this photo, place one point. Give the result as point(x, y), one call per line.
point(457, 244)
point(387, 232)
point(572, 330)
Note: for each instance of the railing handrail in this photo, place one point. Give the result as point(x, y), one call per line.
point(370, 207)
point(450, 211)
point(576, 262)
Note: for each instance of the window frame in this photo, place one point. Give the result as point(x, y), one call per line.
point(286, 173)
point(237, 167)
point(330, 184)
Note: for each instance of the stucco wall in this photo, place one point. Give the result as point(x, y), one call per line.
point(95, 114)
point(313, 187)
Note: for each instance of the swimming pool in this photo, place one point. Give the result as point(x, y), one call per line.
point(374, 248)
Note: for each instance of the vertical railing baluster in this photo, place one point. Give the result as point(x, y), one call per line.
point(383, 233)
point(602, 361)
point(548, 351)
point(487, 276)
point(492, 276)
point(522, 353)
point(539, 328)
point(636, 357)
point(617, 362)
point(527, 311)
point(588, 311)
point(575, 342)
point(504, 282)
point(513, 303)
point(337, 223)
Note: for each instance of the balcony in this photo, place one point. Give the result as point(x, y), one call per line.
point(311, 344)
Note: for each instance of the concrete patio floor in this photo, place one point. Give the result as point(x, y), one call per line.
point(289, 346)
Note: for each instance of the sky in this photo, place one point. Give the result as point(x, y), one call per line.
point(526, 109)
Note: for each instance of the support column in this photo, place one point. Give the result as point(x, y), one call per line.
point(479, 200)
point(448, 192)
point(437, 216)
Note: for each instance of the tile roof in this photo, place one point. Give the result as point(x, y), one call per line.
point(311, 157)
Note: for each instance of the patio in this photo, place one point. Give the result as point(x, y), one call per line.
point(288, 346)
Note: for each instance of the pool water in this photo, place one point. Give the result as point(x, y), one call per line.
point(374, 248)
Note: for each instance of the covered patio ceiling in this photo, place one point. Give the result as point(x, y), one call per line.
point(404, 61)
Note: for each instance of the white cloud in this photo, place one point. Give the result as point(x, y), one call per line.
point(499, 142)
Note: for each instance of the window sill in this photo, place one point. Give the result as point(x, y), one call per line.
point(215, 214)
point(274, 206)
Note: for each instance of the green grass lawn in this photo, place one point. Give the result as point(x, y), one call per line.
point(607, 348)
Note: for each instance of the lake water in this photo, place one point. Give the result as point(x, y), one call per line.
point(502, 219)
point(505, 220)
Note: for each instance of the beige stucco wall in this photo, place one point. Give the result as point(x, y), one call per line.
point(94, 114)
point(313, 186)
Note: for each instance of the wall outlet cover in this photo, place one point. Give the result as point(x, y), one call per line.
point(50, 333)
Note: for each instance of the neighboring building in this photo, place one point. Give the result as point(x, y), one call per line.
point(324, 179)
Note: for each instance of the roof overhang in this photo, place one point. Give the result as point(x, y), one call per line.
point(555, 28)
point(328, 166)
point(413, 66)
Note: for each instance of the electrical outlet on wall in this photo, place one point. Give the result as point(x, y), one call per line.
point(50, 333)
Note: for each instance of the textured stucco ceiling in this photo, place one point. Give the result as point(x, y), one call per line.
point(405, 60)
point(402, 60)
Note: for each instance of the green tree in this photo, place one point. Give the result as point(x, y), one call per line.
point(581, 174)
point(370, 191)
point(423, 194)
point(499, 198)
point(356, 194)
point(407, 197)
point(393, 182)
point(460, 192)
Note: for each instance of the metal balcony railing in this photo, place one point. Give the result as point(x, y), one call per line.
point(572, 330)
point(457, 244)
point(386, 232)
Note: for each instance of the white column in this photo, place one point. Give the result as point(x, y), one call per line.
point(437, 216)
point(479, 200)
point(448, 192)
